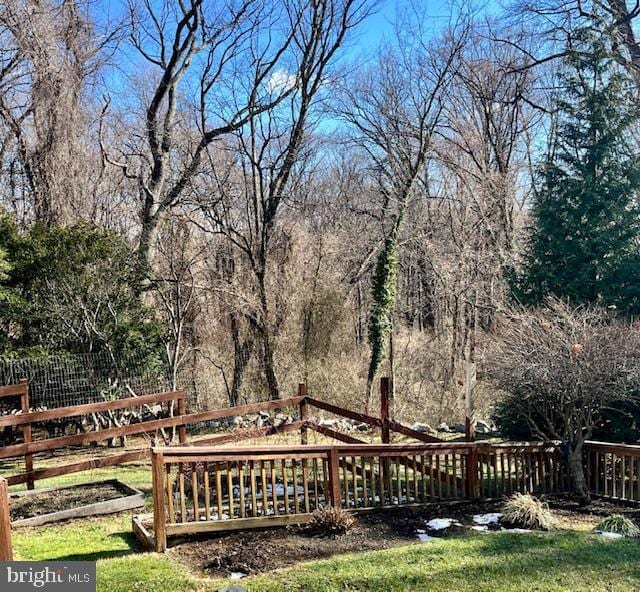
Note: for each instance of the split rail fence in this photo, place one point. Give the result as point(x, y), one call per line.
point(207, 487)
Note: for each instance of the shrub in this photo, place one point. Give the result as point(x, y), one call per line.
point(561, 367)
point(619, 525)
point(332, 521)
point(526, 511)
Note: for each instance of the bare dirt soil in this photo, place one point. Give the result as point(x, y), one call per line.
point(256, 551)
point(48, 502)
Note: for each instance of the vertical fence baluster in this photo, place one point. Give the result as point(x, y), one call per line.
point(207, 493)
point(183, 506)
point(218, 490)
point(345, 479)
point(241, 480)
point(354, 479)
point(274, 487)
point(305, 484)
point(265, 493)
point(294, 479)
point(363, 468)
point(172, 512)
point(252, 481)
point(315, 484)
point(285, 484)
point(194, 492)
point(431, 477)
point(325, 480)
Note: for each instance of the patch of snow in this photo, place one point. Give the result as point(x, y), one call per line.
point(420, 531)
point(425, 538)
point(237, 575)
point(610, 535)
point(290, 489)
point(480, 528)
point(484, 519)
point(220, 517)
point(442, 523)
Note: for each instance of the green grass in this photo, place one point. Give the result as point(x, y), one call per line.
point(135, 475)
point(502, 562)
point(148, 572)
point(76, 540)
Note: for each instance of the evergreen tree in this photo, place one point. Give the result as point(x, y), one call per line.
point(585, 225)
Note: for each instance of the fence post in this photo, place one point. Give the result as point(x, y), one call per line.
point(334, 478)
point(26, 431)
point(182, 410)
point(304, 413)
point(472, 472)
point(385, 390)
point(384, 408)
point(159, 516)
point(6, 549)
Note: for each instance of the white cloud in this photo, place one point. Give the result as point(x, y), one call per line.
point(281, 81)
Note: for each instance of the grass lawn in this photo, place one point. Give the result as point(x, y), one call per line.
point(500, 562)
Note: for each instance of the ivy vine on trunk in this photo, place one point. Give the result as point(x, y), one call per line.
point(383, 292)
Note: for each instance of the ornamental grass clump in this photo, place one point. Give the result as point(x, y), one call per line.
point(619, 525)
point(526, 511)
point(330, 521)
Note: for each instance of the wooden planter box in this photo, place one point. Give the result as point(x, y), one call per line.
point(132, 498)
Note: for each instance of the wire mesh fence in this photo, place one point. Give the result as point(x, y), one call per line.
point(63, 380)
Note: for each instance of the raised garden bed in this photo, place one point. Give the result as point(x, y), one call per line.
point(42, 506)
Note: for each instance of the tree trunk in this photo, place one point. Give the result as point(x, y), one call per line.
point(241, 354)
point(576, 468)
point(267, 338)
point(149, 224)
point(269, 367)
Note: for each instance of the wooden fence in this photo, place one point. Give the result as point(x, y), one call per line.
point(213, 489)
point(504, 469)
point(613, 470)
point(6, 549)
point(26, 420)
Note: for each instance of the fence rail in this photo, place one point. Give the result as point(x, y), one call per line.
point(613, 470)
point(26, 420)
point(205, 489)
point(6, 548)
point(504, 469)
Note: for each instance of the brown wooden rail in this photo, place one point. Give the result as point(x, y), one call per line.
point(613, 470)
point(26, 419)
point(6, 548)
point(198, 489)
point(504, 469)
point(28, 448)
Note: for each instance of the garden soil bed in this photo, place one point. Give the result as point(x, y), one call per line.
point(50, 505)
point(257, 551)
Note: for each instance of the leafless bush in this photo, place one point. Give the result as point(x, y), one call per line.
point(561, 366)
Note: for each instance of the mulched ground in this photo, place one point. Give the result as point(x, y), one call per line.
point(48, 502)
point(256, 551)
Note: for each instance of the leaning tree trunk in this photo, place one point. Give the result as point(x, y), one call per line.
point(576, 469)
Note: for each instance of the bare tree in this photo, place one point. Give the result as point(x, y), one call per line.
point(561, 367)
point(394, 110)
point(213, 69)
point(266, 159)
point(49, 53)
